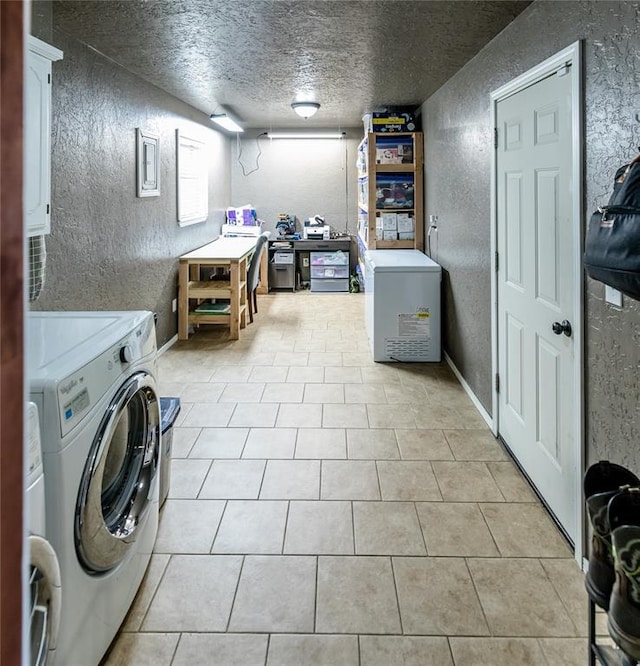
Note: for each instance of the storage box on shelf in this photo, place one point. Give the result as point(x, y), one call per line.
point(390, 209)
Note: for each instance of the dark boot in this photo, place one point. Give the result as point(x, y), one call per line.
point(624, 608)
point(602, 481)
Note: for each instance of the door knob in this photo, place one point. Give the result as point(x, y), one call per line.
point(564, 327)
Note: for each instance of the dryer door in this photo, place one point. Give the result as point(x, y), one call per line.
point(119, 482)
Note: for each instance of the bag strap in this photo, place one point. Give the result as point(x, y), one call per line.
point(619, 210)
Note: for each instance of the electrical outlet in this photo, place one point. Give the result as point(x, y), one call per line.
point(174, 304)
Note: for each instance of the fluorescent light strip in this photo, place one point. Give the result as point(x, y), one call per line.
point(226, 122)
point(306, 135)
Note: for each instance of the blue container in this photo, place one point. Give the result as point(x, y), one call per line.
point(169, 410)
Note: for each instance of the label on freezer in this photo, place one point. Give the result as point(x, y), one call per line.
point(415, 325)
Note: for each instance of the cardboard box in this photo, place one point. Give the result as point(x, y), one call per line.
point(405, 223)
point(389, 221)
point(389, 235)
point(406, 235)
point(380, 233)
point(389, 121)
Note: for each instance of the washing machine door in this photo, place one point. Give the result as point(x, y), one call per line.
point(119, 482)
point(45, 600)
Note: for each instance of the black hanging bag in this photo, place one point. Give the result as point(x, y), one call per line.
point(612, 246)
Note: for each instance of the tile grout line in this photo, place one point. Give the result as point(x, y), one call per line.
point(215, 536)
point(235, 593)
point(315, 597)
point(286, 525)
point(424, 538)
point(395, 588)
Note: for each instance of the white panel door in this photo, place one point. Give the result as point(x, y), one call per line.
point(536, 286)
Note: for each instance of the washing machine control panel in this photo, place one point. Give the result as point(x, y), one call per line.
point(80, 390)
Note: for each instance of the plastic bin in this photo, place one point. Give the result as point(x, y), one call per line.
point(169, 410)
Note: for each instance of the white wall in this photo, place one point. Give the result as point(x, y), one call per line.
point(301, 177)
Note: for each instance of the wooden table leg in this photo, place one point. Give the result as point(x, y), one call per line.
point(263, 287)
point(183, 301)
point(234, 324)
point(243, 293)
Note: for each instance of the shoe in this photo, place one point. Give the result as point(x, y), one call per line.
point(624, 608)
point(602, 481)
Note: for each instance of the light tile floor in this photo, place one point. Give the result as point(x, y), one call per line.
point(328, 510)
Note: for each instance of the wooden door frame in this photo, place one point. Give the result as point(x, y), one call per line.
point(572, 54)
point(11, 326)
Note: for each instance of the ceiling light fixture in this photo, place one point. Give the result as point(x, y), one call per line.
point(225, 121)
point(305, 109)
point(306, 135)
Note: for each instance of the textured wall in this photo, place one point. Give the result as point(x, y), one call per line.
point(108, 249)
point(458, 145)
point(299, 177)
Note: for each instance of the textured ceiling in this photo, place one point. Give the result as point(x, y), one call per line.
point(254, 56)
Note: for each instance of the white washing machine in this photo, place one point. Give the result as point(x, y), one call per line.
point(93, 377)
point(42, 610)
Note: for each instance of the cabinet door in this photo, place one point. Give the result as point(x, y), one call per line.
point(37, 145)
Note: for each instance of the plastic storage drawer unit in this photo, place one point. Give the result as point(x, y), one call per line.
point(330, 271)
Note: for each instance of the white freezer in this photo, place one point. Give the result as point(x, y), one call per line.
point(402, 305)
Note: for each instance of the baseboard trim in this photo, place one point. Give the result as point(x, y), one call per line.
point(172, 341)
point(476, 403)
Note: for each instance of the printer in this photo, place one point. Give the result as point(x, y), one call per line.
point(315, 229)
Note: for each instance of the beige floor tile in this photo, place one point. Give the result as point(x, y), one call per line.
point(325, 359)
point(299, 416)
point(320, 393)
point(185, 408)
point(466, 482)
point(455, 528)
point(202, 391)
point(221, 650)
point(250, 415)
point(405, 651)
point(497, 651)
point(380, 374)
point(242, 392)
point(296, 650)
point(423, 445)
point(254, 527)
point(471, 418)
point(399, 394)
point(361, 359)
point(479, 445)
point(309, 345)
point(283, 392)
point(219, 443)
point(187, 477)
point(172, 388)
point(340, 374)
point(268, 374)
point(344, 416)
point(349, 479)
point(318, 443)
point(187, 373)
point(436, 417)
point(437, 596)
point(369, 444)
point(387, 528)
point(408, 480)
point(568, 580)
point(319, 528)
point(356, 595)
point(291, 359)
point(343, 345)
point(518, 598)
point(270, 443)
point(142, 649)
point(565, 651)
point(188, 526)
point(524, 530)
point(232, 373)
point(305, 375)
point(365, 393)
point(147, 589)
point(258, 358)
point(275, 594)
point(233, 479)
point(512, 484)
point(195, 594)
point(183, 440)
point(291, 479)
point(389, 416)
point(205, 415)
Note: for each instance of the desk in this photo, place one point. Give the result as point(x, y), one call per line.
point(231, 253)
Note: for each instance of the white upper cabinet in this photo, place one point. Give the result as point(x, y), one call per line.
point(37, 135)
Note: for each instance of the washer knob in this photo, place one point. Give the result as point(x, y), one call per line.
point(126, 354)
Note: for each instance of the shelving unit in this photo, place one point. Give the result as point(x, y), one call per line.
point(603, 654)
point(390, 191)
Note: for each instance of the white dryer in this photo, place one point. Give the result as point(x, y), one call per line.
point(93, 377)
point(42, 610)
